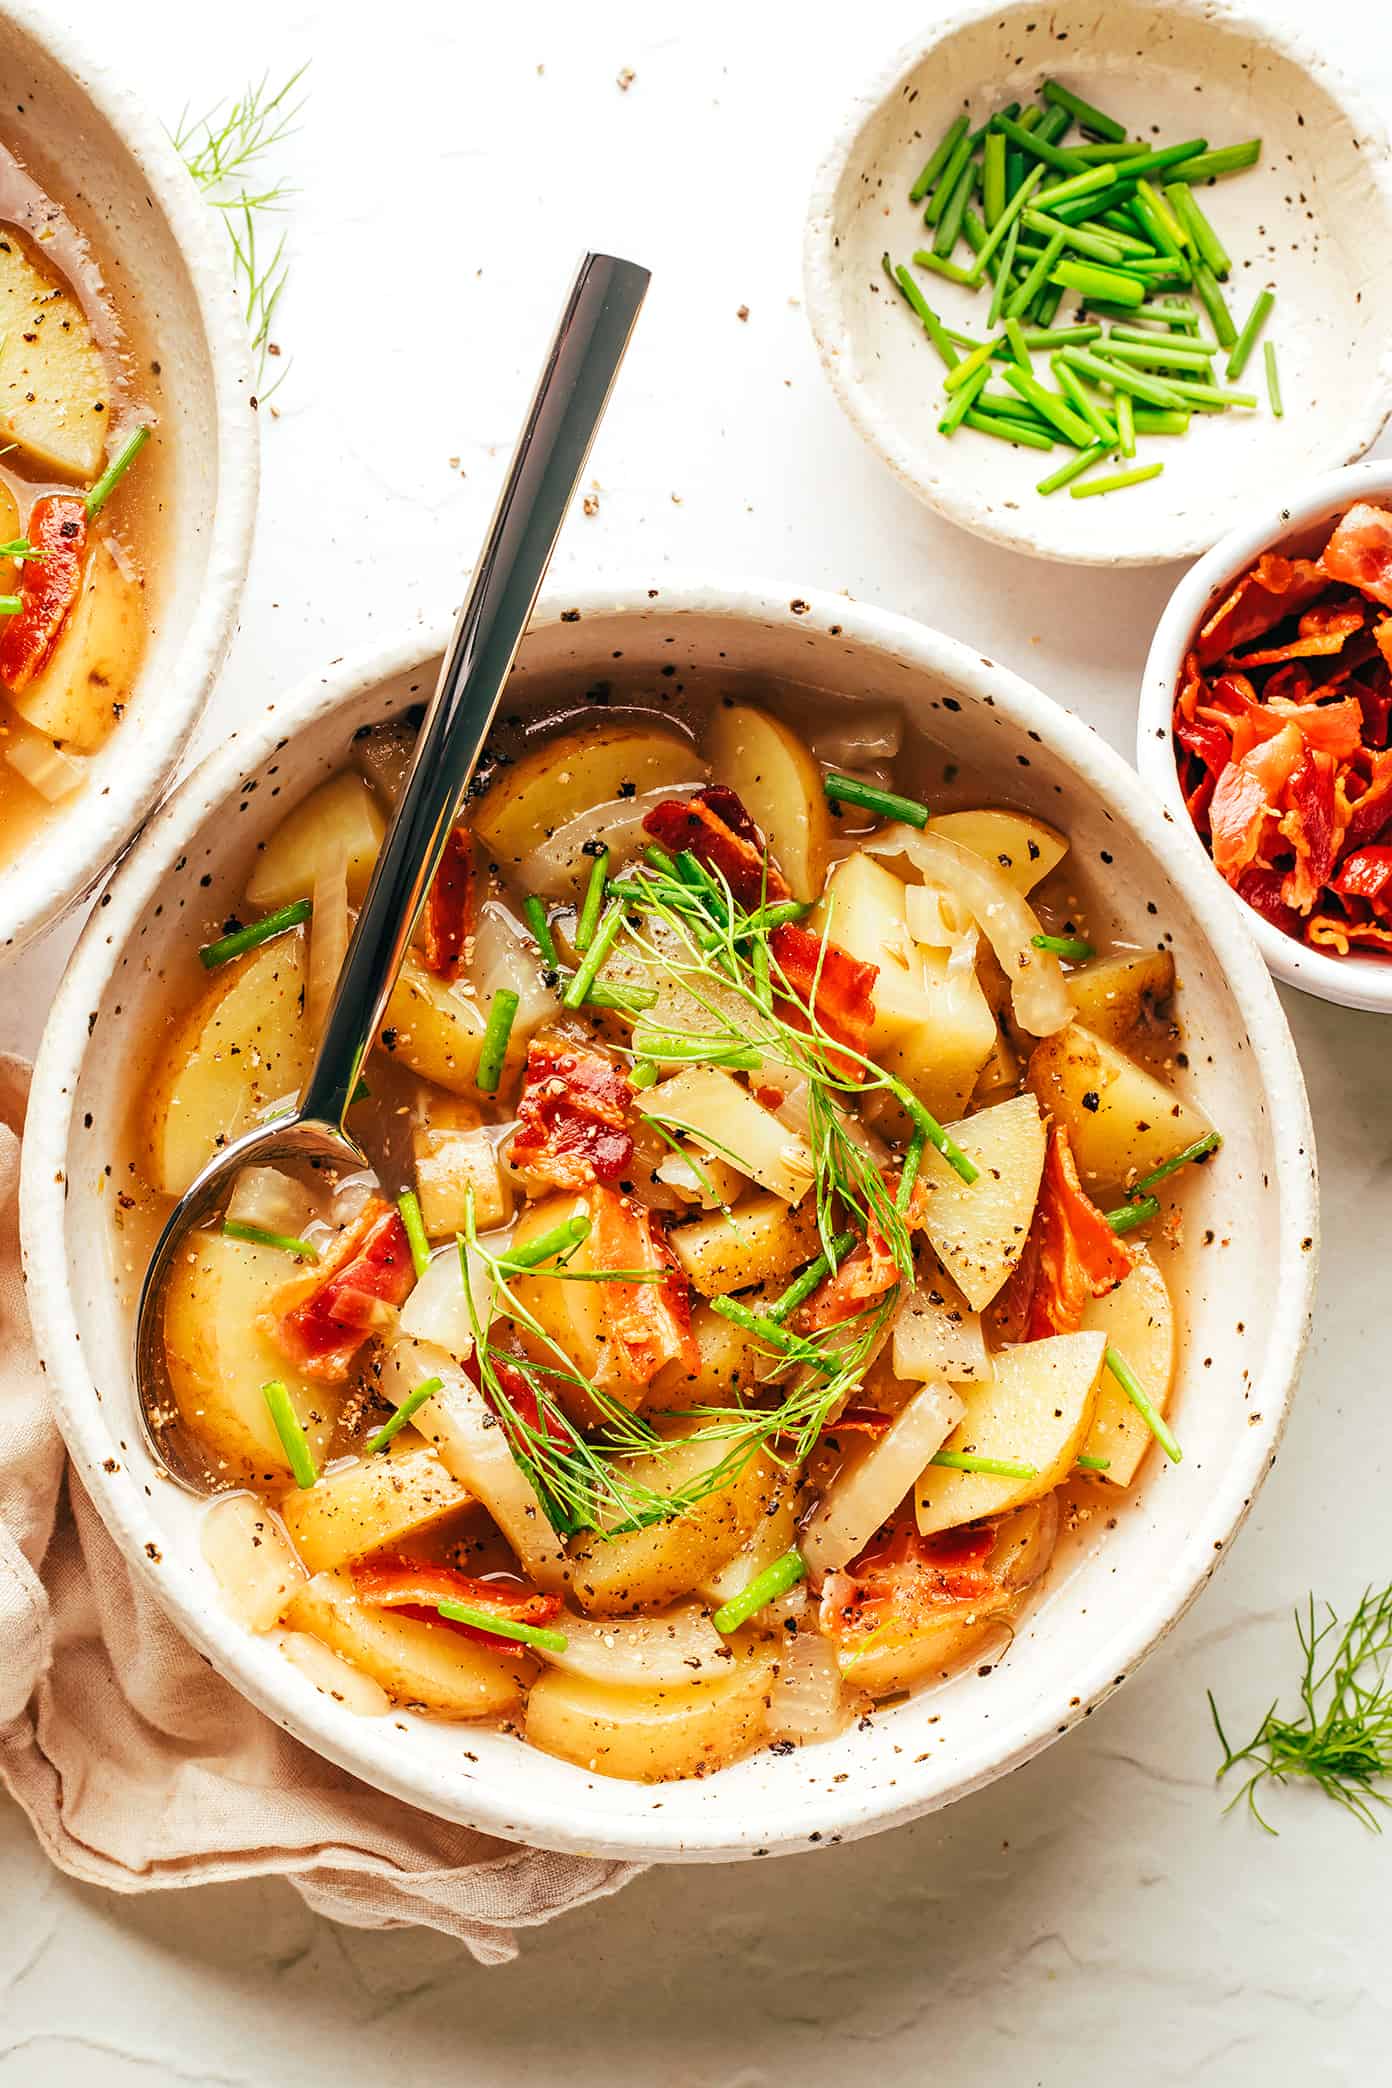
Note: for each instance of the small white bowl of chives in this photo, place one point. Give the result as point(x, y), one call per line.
point(1092, 281)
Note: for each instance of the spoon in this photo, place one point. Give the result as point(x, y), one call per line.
point(546, 468)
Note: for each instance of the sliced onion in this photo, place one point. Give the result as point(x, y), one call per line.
point(328, 934)
point(504, 956)
point(351, 1194)
point(473, 1447)
point(862, 734)
point(271, 1201)
point(808, 1698)
point(937, 1335)
point(642, 1652)
point(333, 1676)
point(871, 1484)
point(47, 769)
point(1008, 922)
point(437, 1309)
point(560, 866)
point(1025, 1543)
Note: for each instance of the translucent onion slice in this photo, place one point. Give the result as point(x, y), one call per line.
point(504, 955)
point(808, 1698)
point(328, 934)
point(937, 1335)
point(1008, 922)
point(641, 1652)
point(437, 1309)
point(877, 1475)
point(559, 867)
point(272, 1201)
point(862, 734)
point(46, 769)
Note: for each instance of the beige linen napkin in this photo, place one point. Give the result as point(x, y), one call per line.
point(141, 1768)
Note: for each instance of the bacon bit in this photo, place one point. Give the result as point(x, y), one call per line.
point(907, 1581)
point(1383, 637)
point(1310, 827)
point(646, 1325)
point(450, 907)
point(572, 1116)
point(1274, 589)
point(416, 1587)
point(715, 827)
point(1262, 890)
point(859, 1420)
point(1360, 552)
point(844, 988)
point(320, 1320)
point(1080, 1257)
point(1371, 809)
point(1323, 629)
point(48, 588)
point(1367, 874)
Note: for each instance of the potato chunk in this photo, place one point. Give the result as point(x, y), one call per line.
point(365, 1505)
point(979, 1228)
point(437, 1031)
point(90, 673)
point(425, 1666)
point(761, 1238)
point(449, 1164)
point(242, 1047)
point(55, 402)
point(710, 1105)
point(341, 813)
point(652, 1735)
point(1111, 995)
point(1026, 849)
point(1036, 1410)
point(1137, 1319)
point(780, 786)
point(1121, 1121)
point(580, 770)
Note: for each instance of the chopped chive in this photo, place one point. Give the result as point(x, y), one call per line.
point(1015, 334)
point(909, 1172)
point(977, 136)
point(1093, 246)
point(1104, 152)
point(1228, 159)
point(116, 470)
point(1199, 1150)
point(660, 860)
point(970, 277)
point(1209, 396)
point(502, 1012)
point(950, 223)
point(1074, 390)
point(1186, 359)
point(1072, 947)
point(1073, 468)
point(845, 790)
point(674, 1049)
point(1046, 305)
point(766, 1587)
point(938, 158)
point(806, 1281)
point(643, 1073)
point(407, 1411)
point(759, 967)
point(1093, 1464)
point(1152, 203)
point(1004, 274)
point(292, 1436)
point(948, 178)
point(1052, 125)
point(1019, 301)
point(992, 177)
point(629, 1000)
point(1127, 231)
point(924, 1120)
point(1089, 183)
point(1128, 1216)
point(1273, 380)
point(1115, 482)
point(241, 939)
point(593, 901)
point(1052, 337)
point(1120, 378)
point(767, 1330)
point(558, 1239)
point(932, 326)
point(1007, 407)
point(1083, 112)
point(974, 229)
point(1144, 337)
point(1143, 1403)
point(409, 1206)
point(968, 367)
point(1247, 339)
point(504, 1627)
point(1219, 317)
point(1016, 431)
point(1156, 162)
point(1050, 408)
point(694, 874)
point(545, 941)
point(1126, 423)
point(1000, 231)
point(1204, 241)
point(604, 938)
point(255, 1236)
point(1159, 420)
point(1090, 279)
point(994, 1467)
point(1038, 148)
point(10, 605)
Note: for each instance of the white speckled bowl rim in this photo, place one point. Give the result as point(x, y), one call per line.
point(77, 843)
point(951, 475)
point(1354, 981)
point(763, 1804)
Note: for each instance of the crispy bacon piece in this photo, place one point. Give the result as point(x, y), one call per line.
point(1244, 797)
point(714, 825)
point(1079, 1256)
point(1262, 890)
point(572, 1116)
point(866, 1274)
point(844, 989)
point(522, 1398)
point(1310, 826)
point(321, 1319)
point(907, 1581)
point(1274, 589)
point(1324, 628)
point(416, 1588)
point(48, 588)
point(1360, 552)
point(646, 1325)
point(1367, 874)
point(1370, 807)
point(450, 908)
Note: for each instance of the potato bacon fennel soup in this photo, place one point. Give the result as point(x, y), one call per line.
point(73, 529)
point(753, 1268)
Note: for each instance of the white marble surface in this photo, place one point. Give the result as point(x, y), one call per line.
point(1095, 1914)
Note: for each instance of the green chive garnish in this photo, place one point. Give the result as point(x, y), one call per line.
point(993, 1467)
point(908, 1173)
point(1090, 279)
point(241, 939)
point(964, 399)
point(540, 926)
point(1128, 1216)
point(604, 938)
point(1156, 162)
point(941, 154)
point(504, 1627)
point(948, 177)
point(1073, 468)
point(1219, 317)
point(936, 333)
point(672, 1048)
point(1228, 159)
point(1199, 233)
point(1054, 410)
point(1199, 1150)
point(292, 1437)
point(766, 1587)
point(303, 1250)
point(1020, 300)
point(1017, 431)
point(1070, 946)
point(1030, 142)
point(932, 1130)
point(806, 1281)
point(1093, 1464)
point(502, 1011)
point(409, 1206)
point(1000, 231)
point(1273, 381)
point(660, 860)
point(1083, 112)
point(1088, 183)
point(767, 1330)
point(1143, 1403)
point(1126, 424)
point(1115, 482)
point(408, 1409)
point(845, 790)
point(1247, 339)
point(1122, 378)
point(125, 456)
point(10, 605)
point(968, 367)
point(559, 1239)
point(594, 900)
point(643, 1073)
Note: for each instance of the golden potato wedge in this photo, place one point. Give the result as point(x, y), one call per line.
point(449, 1165)
point(55, 392)
point(1137, 1318)
point(948, 1038)
point(87, 682)
point(424, 1666)
point(711, 1104)
point(1035, 1411)
point(251, 1560)
point(761, 1238)
point(1112, 995)
point(574, 1315)
point(637, 1568)
point(1025, 848)
point(653, 1735)
point(218, 1359)
point(937, 1335)
point(979, 1229)
point(774, 1533)
point(574, 773)
point(341, 813)
point(780, 786)
point(1121, 1121)
point(437, 1030)
point(365, 1505)
point(731, 1360)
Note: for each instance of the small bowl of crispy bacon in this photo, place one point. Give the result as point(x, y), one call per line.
point(1266, 726)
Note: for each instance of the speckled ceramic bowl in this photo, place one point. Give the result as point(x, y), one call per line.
point(1314, 218)
point(1299, 525)
point(1243, 1275)
point(117, 174)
